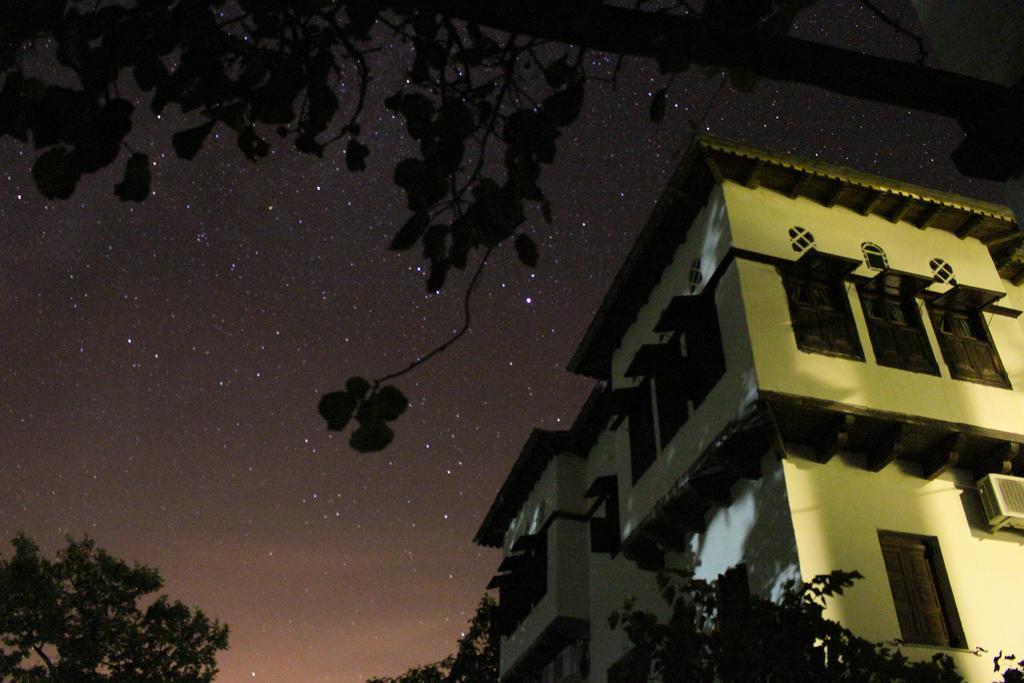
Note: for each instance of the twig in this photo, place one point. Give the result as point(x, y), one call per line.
point(454, 338)
point(894, 23)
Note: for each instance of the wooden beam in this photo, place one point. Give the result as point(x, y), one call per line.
point(885, 451)
point(798, 186)
point(944, 457)
point(901, 211)
point(754, 179)
point(970, 225)
point(872, 203)
point(835, 440)
point(1001, 460)
point(1007, 236)
point(928, 216)
point(837, 193)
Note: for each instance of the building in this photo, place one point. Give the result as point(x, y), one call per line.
point(802, 368)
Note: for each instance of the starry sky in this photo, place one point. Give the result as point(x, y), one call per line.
point(160, 363)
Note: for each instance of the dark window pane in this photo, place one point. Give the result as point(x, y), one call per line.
point(822, 322)
point(968, 349)
point(897, 332)
point(642, 446)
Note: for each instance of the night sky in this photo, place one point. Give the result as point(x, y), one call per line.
point(160, 364)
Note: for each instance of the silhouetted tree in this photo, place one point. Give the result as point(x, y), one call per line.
point(475, 661)
point(716, 631)
point(78, 619)
point(491, 86)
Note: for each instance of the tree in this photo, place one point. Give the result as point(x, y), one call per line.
point(491, 87)
point(475, 661)
point(78, 619)
point(716, 631)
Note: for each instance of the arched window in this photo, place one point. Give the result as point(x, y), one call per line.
point(874, 256)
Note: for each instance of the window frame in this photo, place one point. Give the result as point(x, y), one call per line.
point(910, 331)
point(835, 291)
point(905, 546)
point(981, 338)
point(643, 437)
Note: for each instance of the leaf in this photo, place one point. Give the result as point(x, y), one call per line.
point(134, 187)
point(743, 80)
point(252, 145)
point(410, 232)
point(55, 174)
point(371, 436)
point(564, 106)
point(391, 403)
point(658, 105)
point(188, 142)
point(355, 155)
point(357, 386)
point(337, 408)
point(526, 249)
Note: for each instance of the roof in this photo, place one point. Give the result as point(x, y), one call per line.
point(541, 446)
point(711, 161)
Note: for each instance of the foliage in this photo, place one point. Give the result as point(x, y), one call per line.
point(475, 661)
point(490, 89)
point(78, 619)
point(713, 636)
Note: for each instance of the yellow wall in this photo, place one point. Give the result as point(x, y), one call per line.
point(839, 507)
point(760, 220)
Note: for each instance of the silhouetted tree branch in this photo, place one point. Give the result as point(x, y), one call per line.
point(490, 88)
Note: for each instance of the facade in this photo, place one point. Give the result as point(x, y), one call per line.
point(800, 368)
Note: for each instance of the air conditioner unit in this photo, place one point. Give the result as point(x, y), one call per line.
point(566, 666)
point(1002, 496)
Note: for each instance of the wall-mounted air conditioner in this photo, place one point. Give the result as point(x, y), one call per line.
point(1002, 496)
point(567, 665)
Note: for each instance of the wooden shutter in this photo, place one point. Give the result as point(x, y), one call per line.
point(909, 563)
point(968, 349)
point(822, 322)
point(673, 408)
point(897, 333)
point(642, 446)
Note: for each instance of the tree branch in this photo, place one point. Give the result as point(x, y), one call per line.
point(458, 335)
point(626, 31)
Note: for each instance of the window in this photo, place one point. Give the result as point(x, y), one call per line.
point(942, 271)
point(874, 256)
point(920, 590)
point(642, 446)
point(967, 347)
point(896, 332)
point(800, 239)
point(821, 315)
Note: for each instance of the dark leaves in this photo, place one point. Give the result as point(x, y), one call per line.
point(188, 142)
point(372, 407)
point(658, 102)
point(252, 145)
point(337, 408)
point(355, 155)
point(410, 232)
point(134, 187)
point(55, 173)
point(371, 437)
point(526, 250)
point(563, 107)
